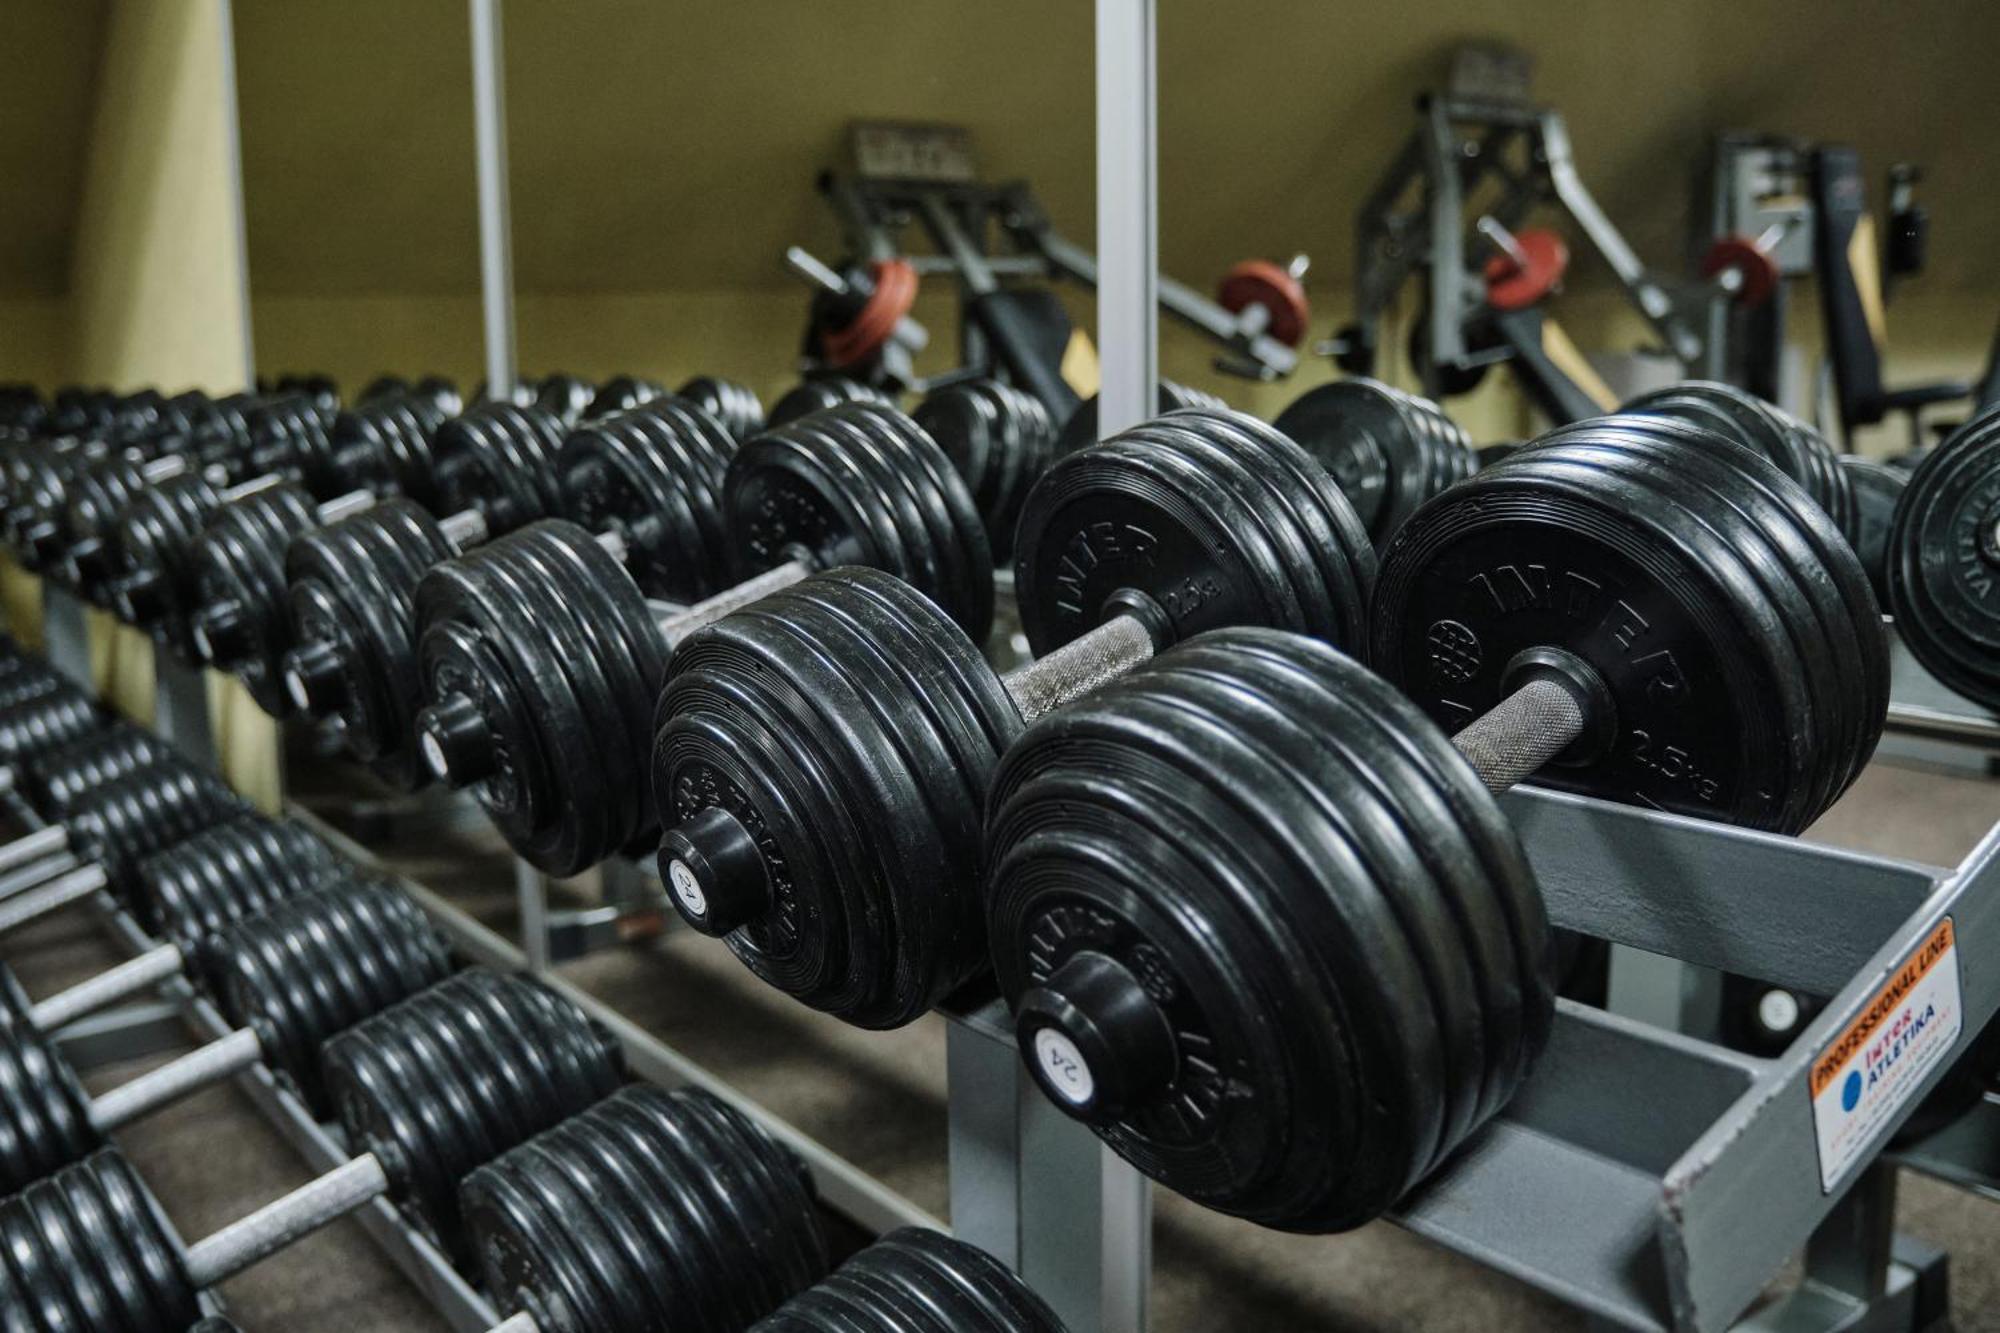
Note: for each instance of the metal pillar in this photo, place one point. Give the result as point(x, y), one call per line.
point(66, 634)
point(1037, 1190)
point(1029, 1184)
point(232, 134)
point(496, 244)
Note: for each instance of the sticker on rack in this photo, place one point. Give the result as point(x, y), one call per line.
point(1868, 1073)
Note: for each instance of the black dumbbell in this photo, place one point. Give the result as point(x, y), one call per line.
point(1081, 428)
point(651, 1212)
point(382, 444)
point(1264, 927)
point(732, 404)
point(66, 542)
point(621, 393)
point(819, 393)
point(478, 1063)
point(238, 624)
point(308, 969)
point(45, 719)
point(109, 833)
point(1876, 487)
point(1797, 450)
point(542, 659)
point(646, 481)
point(917, 1281)
point(1389, 450)
point(1001, 441)
point(188, 894)
point(55, 780)
point(822, 757)
point(1944, 561)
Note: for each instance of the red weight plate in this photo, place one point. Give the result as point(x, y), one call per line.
point(1260, 282)
point(1759, 269)
point(895, 292)
point(1511, 285)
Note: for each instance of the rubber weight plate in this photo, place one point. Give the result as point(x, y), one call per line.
point(651, 1212)
point(499, 459)
point(551, 662)
point(818, 394)
point(1211, 516)
point(1597, 544)
point(1081, 428)
point(915, 1280)
point(1803, 563)
point(732, 404)
point(1876, 487)
point(1389, 450)
point(89, 1248)
point(653, 475)
point(848, 728)
point(157, 588)
point(239, 564)
point(862, 484)
point(1944, 562)
point(1261, 926)
point(455, 1075)
point(1000, 440)
point(232, 872)
point(352, 596)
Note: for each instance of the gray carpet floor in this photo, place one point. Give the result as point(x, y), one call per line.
point(879, 1100)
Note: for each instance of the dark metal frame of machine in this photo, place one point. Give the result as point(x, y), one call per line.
point(962, 217)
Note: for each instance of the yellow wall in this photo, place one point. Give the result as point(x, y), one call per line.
point(34, 338)
point(157, 282)
point(157, 285)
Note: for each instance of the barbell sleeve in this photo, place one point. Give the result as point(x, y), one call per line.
point(278, 1223)
point(107, 987)
point(57, 893)
point(231, 1054)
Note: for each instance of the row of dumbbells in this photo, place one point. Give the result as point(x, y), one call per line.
point(1647, 608)
point(1662, 607)
point(493, 1112)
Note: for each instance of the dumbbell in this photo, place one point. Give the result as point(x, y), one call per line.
point(651, 1212)
point(1797, 450)
point(1264, 927)
point(490, 469)
point(44, 720)
point(915, 1280)
point(1876, 487)
point(55, 780)
point(1081, 428)
point(541, 659)
point(93, 497)
point(1000, 440)
point(111, 831)
point(310, 968)
point(621, 393)
point(435, 1086)
point(647, 481)
point(38, 474)
point(732, 404)
point(187, 895)
point(819, 393)
point(1389, 450)
point(822, 757)
point(382, 444)
point(1944, 561)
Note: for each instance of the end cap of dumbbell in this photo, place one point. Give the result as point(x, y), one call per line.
point(316, 678)
point(43, 539)
point(90, 559)
point(1094, 1039)
point(455, 740)
point(712, 868)
point(139, 597)
point(222, 634)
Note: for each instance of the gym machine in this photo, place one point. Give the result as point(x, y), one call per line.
point(1452, 210)
point(997, 244)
